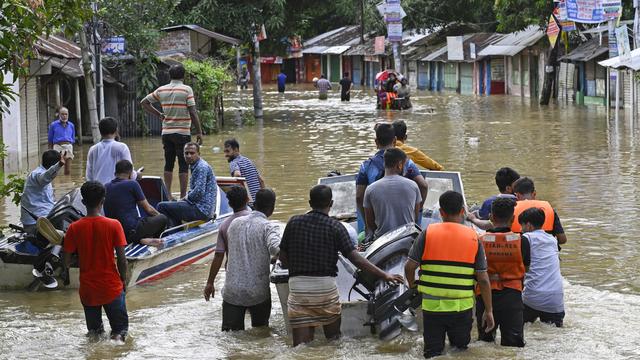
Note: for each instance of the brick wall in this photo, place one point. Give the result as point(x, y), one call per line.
point(176, 40)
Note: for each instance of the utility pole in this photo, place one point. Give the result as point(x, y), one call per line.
point(362, 21)
point(98, 66)
point(257, 78)
point(89, 85)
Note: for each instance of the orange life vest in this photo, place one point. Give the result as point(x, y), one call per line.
point(504, 260)
point(523, 205)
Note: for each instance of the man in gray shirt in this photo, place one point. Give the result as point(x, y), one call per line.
point(392, 201)
point(251, 243)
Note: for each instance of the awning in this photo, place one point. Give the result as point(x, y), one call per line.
point(586, 51)
point(501, 50)
point(632, 61)
point(315, 50)
point(336, 50)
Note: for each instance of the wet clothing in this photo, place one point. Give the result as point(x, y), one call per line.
point(345, 89)
point(457, 326)
point(221, 243)
point(233, 315)
point(543, 288)
point(372, 169)
point(179, 211)
point(313, 301)
point(419, 157)
point(94, 240)
point(173, 146)
point(312, 242)
point(59, 133)
point(121, 202)
point(403, 91)
point(248, 170)
point(37, 196)
point(148, 227)
point(175, 99)
point(252, 241)
point(485, 209)
point(531, 315)
point(102, 159)
point(282, 79)
point(323, 86)
point(393, 200)
point(116, 312)
point(67, 149)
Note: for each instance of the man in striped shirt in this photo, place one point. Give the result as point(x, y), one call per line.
point(178, 112)
point(323, 86)
point(242, 166)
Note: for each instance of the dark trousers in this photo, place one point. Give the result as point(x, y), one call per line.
point(507, 313)
point(148, 227)
point(457, 326)
point(280, 88)
point(345, 96)
point(179, 211)
point(233, 315)
point(116, 313)
point(530, 315)
point(173, 145)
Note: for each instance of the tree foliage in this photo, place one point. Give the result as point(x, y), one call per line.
point(433, 14)
point(515, 15)
point(207, 78)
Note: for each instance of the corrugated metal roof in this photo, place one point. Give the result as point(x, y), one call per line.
point(336, 50)
point(481, 40)
point(315, 50)
point(513, 43)
point(501, 50)
point(618, 62)
point(205, 32)
point(587, 51)
point(437, 53)
point(58, 46)
point(323, 36)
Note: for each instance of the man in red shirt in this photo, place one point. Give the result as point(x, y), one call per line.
point(94, 239)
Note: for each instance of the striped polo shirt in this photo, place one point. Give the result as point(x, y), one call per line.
point(175, 98)
point(248, 171)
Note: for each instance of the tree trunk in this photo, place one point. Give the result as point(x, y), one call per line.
point(549, 77)
point(89, 85)
point(257, 79)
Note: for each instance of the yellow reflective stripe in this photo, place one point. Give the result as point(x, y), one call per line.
point(448, 293)
point(447, 305)
point(448, 269)
point(446, 280)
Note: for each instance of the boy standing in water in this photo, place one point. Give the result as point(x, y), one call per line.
point(102, 285)
point(543, 290)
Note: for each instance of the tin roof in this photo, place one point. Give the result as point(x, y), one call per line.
point(632, 61)
point(481, 40)
point(513, 43)
point(587, 51)
point(315, 50)
point(205, 32)
point(57, 46)
point(336, 50)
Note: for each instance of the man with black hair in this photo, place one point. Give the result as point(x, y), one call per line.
point(450, 257)
point(37, 196)
point(418, 157)
point(103, 156)
point(508, 256)
point(124, 198)
point(543, 290)
point(505, 177)
point(309, 249)
point(200, 201)
point(237, 197)
point(345, 87)
point(252, 241)
point(372, 170)
point(392, 201)
point(240, 165)
point(94, 238)
point(525, 192)
point(178, 113)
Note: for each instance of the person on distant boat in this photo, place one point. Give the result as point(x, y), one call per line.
point(450, 258)
point(323, 85)
point(37, 198)
point(252, 241)
point(390, 82)
point(200, 201)
point(392, 201)
point(124, 199)
point(418, 157)
point(103, 156)
point(372, 170)
point(543, 290)
point(505, 177)
point(238, 198)
point(309, 249)
point(241, 166)
point(508, 255)
point(403, 93)
point(102, 283)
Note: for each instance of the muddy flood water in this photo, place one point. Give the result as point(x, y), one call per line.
point(584, 164)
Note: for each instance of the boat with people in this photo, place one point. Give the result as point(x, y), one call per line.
point(371, 306)
point(26, 259)
point(392, 91)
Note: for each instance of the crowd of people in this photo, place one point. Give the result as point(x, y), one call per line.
point(510, 274)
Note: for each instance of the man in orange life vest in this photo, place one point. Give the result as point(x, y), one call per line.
point(508, 255)
point(525, 192)
point(450, 258)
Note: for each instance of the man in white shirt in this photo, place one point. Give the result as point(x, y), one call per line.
point(103, 156)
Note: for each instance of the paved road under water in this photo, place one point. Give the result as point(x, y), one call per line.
point(586, 166)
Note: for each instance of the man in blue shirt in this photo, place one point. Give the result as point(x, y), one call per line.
point(241, 166)
point(505, 177)
point(124, 198)
point(62, 136)
point(282, 79)
point(37, 196)
point(372, 170)
point(200, 202)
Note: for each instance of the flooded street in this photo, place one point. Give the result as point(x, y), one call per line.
point(586, 166)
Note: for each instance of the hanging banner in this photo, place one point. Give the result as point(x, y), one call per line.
point(394, 32)
point(611, 9)
point(561, 14)
point(622, 41)
point(378, 46)
point(585, 11)
point(113, 45)
point(552, 31)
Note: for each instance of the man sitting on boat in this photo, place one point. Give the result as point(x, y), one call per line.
point(123, 200)
point(392, 201)
point(372, 170)
point(309, 249)
point(413, 153)
point(200, 201)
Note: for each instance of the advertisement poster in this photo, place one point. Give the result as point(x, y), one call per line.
point(622, 41)
point(378, 46)
point(394, 32)
point(585, 11)
point(561, 14)
point(113, 46)
point(553, 31)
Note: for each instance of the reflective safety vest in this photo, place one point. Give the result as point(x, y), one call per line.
point(447, 269)
point(504, 260)
point(523, 205)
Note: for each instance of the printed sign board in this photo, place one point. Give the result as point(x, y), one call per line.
point(622, 41)
point(472, 51)
point(455, 50)
point(394, 32)
point(113, 45)
point(593, 11)
point(561, 15)
point(552, 31)
point(378, 47)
